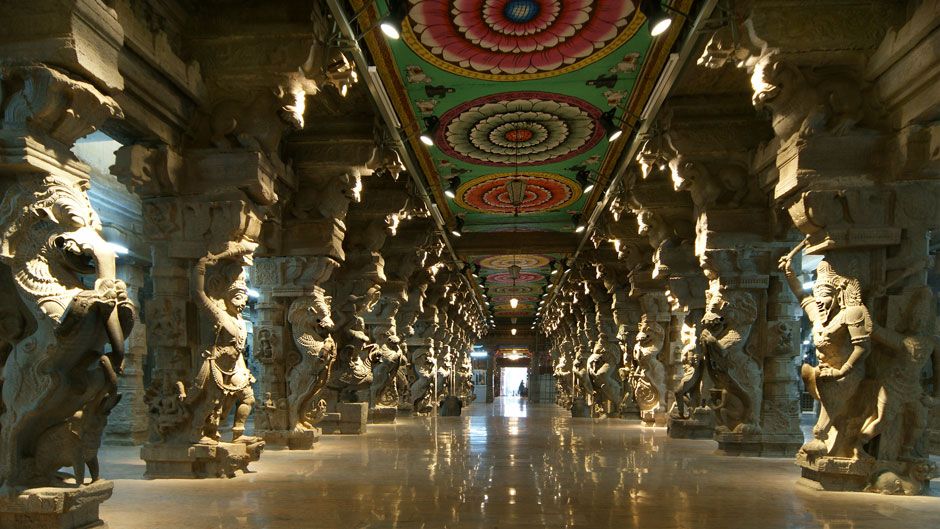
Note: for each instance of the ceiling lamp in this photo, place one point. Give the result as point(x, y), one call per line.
point(659, 21)
point(431, 123)
point(578, 225)
point(391, 22)
point(514, 270)
point(515, 188)
point(452, 185)
point(513, 331)
point(513, 302)
point(457, 231)
point(607, 121)
point(583, 178)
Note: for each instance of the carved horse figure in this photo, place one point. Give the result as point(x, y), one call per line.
point(309, 317)
point(55, 376)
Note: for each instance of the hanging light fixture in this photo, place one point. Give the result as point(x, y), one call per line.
point(515, 189)
point(513, 331)
point(513, 302)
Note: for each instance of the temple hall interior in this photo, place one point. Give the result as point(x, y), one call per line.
point(496, 264)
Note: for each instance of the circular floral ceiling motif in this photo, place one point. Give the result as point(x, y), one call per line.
point(512, 40)
point(501, 290)
point(513, 312)
point(519, 129)
point(503, 277)
point(543, 192)
point(523, 261)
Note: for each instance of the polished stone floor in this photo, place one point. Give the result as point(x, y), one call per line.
point(504, 465)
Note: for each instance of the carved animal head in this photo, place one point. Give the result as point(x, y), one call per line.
point(50, 236)
point(728, 309)
point(311, 314)
point(650, 334)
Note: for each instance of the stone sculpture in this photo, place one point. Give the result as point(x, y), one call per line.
point(729, 317)
point(223, 380)
point(309, 317)
point(648, 376)
point(58, 384)
point(384, 357)
point(602, 369)
point(842, 331)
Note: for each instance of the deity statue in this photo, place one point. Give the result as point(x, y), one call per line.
point(903, 403)
point(842, 330)
point(223, 380)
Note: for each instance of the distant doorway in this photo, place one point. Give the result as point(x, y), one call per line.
point(511, 378)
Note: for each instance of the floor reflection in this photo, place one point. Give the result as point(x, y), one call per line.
point(507, 465)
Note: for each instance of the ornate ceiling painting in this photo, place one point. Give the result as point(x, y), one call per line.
point(515, 89)
point(527, 288)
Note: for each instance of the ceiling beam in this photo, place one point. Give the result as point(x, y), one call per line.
point(506, 243)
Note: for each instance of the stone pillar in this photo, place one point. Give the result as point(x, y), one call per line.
point(852, 173)
point(59, 383)
point(605, 357)
point(203, 211)
point(128, 423)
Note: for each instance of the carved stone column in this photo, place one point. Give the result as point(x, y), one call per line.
point(851, 172)
point(604, 361)
point(59, 382)
point(203, 211)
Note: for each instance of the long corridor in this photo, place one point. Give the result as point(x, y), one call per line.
point(502, 465)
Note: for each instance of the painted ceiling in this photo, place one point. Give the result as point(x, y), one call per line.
point(514, 89)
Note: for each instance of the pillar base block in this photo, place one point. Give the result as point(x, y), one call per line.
point(839, 474)
point(292, 439)
point(198, 461)
point(450, 407)
point(350, 418)
point(700, 425)
point(56, 507)
point(381, 415)
point(757, 444)
point(580, 408)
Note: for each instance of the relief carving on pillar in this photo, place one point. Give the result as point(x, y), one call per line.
point(729, 317)
point(309, 370)
point(64, 302)
point(49, 420)
point(644, 371)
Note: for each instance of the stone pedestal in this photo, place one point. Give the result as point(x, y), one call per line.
point(580, 408)
point(451, 407)
point(198, 461)
point(841, 474)
point(293, 440)
point(350, 418)
point(382, 415)
point(699, 425)
point(758, 445)
point(56, 507)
